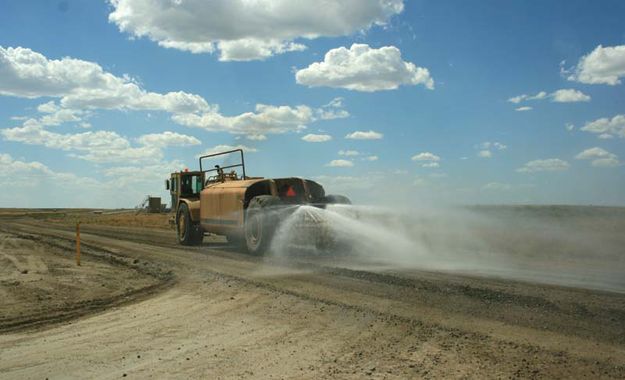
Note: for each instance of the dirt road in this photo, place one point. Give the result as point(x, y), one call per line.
point(225, 314)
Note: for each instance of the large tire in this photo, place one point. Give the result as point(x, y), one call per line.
point(187, 232)
point(261, 220)
point(337, 199)
point(198, 237)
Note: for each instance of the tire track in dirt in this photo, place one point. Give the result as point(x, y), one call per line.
point(57, 314)
point(465, 303)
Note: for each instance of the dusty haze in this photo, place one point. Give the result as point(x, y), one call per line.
point(564, 245)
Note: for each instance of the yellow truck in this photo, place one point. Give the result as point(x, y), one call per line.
point(223, 200)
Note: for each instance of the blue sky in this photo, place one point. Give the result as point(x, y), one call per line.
point(434, 81)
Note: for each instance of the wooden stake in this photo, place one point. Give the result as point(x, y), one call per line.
point(78, 243)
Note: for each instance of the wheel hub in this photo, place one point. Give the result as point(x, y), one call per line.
point(253, 230)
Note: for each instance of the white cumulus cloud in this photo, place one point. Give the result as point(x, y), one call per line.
point(311, 137)
point(364, 135)
point(606, 162)
point(82, 87)
point(566, 95)
point(246, 30)
point(32, 176)
point(607, 127)
point(168, 139)
point(256, 137)
point(492, 145)
point(13, 172)
point(546, 165)
point(425, 156)
point(98, 146)
point(362, 68)
point(486, 148)
point(427, 159)
point(250, 49)
point(82, 84)
point(603, 65)
point(225, 147)
point(332, 110)
point(266, 119)
point(569, 96)
point(521, 98)
point(599, 157)
point(340, 164)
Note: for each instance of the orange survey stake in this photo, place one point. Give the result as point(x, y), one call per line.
point(78, 243)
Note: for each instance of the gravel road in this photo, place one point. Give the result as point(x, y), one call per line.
point(214, 312)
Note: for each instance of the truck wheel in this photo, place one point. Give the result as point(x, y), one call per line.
point(198, 237)
point(188, 233)
point(260, 223)
point(337, 199)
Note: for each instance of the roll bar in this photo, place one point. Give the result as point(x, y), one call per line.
point(218, 168)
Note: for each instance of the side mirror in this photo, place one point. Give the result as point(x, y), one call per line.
point(166, 184)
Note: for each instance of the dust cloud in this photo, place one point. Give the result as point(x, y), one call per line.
point(562, 245)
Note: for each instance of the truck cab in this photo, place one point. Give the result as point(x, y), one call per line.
point(184, 185)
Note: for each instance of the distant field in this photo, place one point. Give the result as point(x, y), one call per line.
point(109, 217)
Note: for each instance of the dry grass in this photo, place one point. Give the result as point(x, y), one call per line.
point(127, 219)
point(118, 218)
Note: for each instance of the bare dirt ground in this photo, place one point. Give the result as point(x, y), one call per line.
point(40, 281)
point(214, 312)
